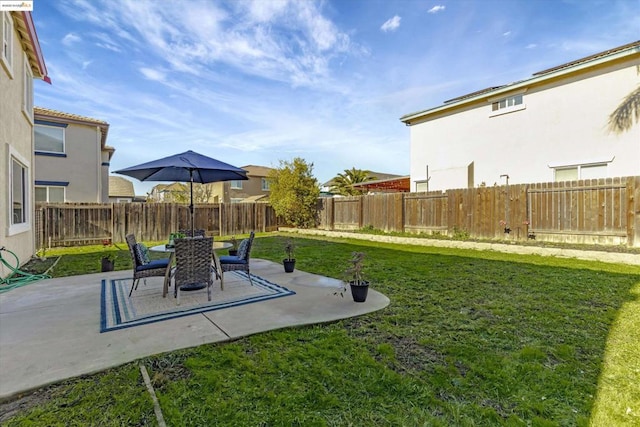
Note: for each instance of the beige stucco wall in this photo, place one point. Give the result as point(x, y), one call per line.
point(82, 166)
point(103, 166)
point(564, 122)
point(16, 138)
point(250, 187)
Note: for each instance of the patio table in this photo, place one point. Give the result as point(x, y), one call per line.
point(171, 251)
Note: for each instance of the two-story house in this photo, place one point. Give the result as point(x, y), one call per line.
point(255, 188)
point(553, 126)
point(21, 61)
point(252, 190)
point(71, 157)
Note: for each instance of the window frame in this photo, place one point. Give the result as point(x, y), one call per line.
point(6, 48)
point(19, 227)
point(27, 94)
point(60, 126)
point(47, 189)
point(579, 168)
point(264, 184)
point(510, 104)
point(236, 184)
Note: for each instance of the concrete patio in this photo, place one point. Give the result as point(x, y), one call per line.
point(50, 330)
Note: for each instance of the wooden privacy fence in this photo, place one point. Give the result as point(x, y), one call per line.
point(71, 224)
point(593, 211)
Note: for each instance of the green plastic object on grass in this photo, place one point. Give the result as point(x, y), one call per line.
point(17, 278)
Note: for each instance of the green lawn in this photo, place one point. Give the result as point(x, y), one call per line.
point(470, 338)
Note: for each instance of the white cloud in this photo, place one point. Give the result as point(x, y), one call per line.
point(506, 34)
point(105, 41)
point(70, 39)
point(436, 9)
point(111, 47)
point(392, 24)
point(151, 74)
point(531, 46)
point(285, 41)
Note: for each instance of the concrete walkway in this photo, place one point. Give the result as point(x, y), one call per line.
point(50, 330)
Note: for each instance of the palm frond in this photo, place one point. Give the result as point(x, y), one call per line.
point(622, 118)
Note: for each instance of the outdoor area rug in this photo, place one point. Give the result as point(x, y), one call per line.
point(146, 304)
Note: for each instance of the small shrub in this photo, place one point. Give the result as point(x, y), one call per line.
point(460, 234)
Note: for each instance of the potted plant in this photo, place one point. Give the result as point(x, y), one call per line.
point(234, 249)
point(108, 261)
point(355, 278)
point(173, 237)
point(290, 261)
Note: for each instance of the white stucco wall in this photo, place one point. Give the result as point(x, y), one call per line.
point(563, 122)
point(16, 136)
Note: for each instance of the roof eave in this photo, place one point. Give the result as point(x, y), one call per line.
point(36, 58)
point(408, 118)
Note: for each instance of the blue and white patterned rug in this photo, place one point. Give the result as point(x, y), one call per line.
point(146, 304)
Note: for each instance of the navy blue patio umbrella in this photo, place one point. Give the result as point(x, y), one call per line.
point(185, 167)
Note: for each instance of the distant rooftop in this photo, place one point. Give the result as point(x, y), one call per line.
point(120, 187)
point(41, 113)
point(253, 170)
point(589, 58)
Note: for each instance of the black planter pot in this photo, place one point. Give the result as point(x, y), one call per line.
point(359, 292)
point(108, 264)
point(289, 265)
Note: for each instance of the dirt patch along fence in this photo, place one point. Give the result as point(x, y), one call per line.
point(76, 224)
point(593, 211)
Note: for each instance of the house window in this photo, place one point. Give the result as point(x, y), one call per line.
point(19, 192)
point(51, 194)
point(265, 184)
point(27, 96)
point(566, 174)
point(236, 185)
point(422, 185)
point(509, 102)
point(49, 139)
point(573, 173)
point(6, 56)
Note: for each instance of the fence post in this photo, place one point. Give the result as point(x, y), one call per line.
point(399, 207)
point(633, 211)
point(330, 214)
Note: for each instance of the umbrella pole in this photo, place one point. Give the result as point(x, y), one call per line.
point(191, 205)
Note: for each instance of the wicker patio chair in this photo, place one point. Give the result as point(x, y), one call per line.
point(193, 233)
point(143, 268)
point(193, 264)
point(217, 269)
point(240, 261)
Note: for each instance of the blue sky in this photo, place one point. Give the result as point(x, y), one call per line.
point(256, 82)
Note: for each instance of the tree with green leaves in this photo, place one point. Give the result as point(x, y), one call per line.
point(179, 192)
point(294, 192)
point(343, 182)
